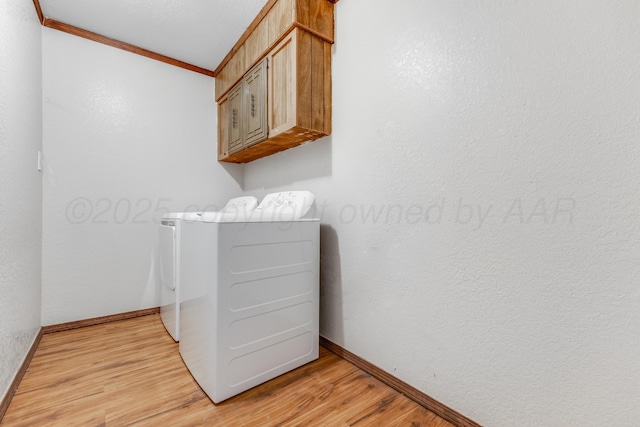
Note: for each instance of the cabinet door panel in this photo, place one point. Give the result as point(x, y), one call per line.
point(282, 85)
point(255, 105)
point(236, 139)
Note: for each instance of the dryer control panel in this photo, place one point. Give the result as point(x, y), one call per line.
point(241, 204)
point(292, 204)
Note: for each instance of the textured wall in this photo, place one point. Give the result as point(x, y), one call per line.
point(20, 184)
point(126, 139)
point(480, 197)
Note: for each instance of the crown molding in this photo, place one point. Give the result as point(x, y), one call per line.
point(89, 35)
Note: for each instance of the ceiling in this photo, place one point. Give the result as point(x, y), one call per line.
point(196, 32)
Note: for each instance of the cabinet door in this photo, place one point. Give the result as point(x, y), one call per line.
point(223, 128)
point(236, 139)
point(282, 85)
point(255, 104)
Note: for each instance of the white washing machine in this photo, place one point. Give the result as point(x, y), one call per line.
point(249, 286)
point(170, 259)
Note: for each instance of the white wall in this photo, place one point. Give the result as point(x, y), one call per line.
point(498, 142)
point(20, 184)
point(126, 139)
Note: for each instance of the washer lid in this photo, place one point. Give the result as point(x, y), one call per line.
point(275, 207)
point(175, 215)
point(234, 209)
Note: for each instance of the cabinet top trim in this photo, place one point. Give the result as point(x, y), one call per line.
point(254, 24)
point(278, 40)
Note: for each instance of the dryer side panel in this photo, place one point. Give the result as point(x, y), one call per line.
point(167, 286)
point(198, 288)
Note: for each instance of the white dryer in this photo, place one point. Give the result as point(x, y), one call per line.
point(170, 259)
point(249, 308)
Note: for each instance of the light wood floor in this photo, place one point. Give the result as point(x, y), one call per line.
point(130, 373)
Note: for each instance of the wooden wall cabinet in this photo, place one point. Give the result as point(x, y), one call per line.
point(290, 41)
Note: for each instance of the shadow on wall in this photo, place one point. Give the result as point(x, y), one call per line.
point(235, 171)
point(151, 295)
point(331, 304)
point(308, 161)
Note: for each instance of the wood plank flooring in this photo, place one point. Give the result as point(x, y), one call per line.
point(129, 373)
